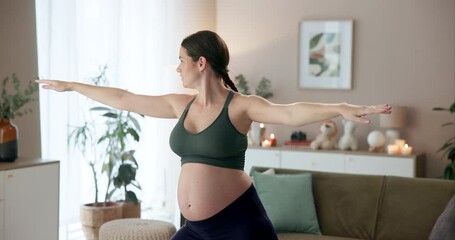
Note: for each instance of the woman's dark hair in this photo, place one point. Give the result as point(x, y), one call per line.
point(209, 45)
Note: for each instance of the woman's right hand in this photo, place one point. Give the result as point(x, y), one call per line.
point(56, 85)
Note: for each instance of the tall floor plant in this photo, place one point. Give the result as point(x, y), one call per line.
point(105, 139)
point(448, 148)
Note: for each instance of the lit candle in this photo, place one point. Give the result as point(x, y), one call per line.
point(261, 133)
point(272, 140)
point(393, 149)
point(266, 143)
point(400, 143)
point(406, 150)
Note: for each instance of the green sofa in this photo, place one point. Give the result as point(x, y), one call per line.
point(351, 206)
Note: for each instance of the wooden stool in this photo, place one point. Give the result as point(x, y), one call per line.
point(136, 229)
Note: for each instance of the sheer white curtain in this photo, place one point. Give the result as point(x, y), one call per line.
point(139, 42)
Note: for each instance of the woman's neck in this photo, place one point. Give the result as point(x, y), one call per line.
point(211, 90)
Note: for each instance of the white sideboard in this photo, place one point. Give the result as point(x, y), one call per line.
point(359, 162)
point(29, 199)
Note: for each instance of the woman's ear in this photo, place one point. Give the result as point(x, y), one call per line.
point(202, 63)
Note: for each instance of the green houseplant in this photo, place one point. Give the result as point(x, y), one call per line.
point(103, 140)
point(262, 90)
point(107, 136)
point(118, 164)
point(12, 104)
point(448, 148)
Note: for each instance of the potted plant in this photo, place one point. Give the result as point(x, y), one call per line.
point(12, 103)
point(103, 141)
point(448, 148)
point(121, 166)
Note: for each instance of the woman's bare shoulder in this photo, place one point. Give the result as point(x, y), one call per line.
point(247, 100)
point(179, 100)
point(242, 103)
point(180, 97)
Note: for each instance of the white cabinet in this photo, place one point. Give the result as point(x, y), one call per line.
point(397, 166)
point(261, 158)
point(29, 200)
point(358, 162)
point(312, 161)
point(2, 219)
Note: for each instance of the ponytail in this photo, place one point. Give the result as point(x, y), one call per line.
point(228, 82)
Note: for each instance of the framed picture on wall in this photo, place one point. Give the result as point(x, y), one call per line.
point(325, 60)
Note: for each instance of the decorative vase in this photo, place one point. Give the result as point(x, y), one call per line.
point(8, 141)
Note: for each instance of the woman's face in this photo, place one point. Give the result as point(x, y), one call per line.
point(188, 69)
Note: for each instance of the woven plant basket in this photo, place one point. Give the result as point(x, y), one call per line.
point(94, 215)
point(131, 210)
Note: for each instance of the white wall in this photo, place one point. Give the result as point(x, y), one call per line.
point(404, 54)
point(18, 54)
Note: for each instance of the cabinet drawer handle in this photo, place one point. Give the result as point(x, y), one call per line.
point(10, 176)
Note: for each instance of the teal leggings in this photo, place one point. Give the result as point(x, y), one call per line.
point(244, 219)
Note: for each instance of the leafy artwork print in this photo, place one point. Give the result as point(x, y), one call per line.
point(324, 54)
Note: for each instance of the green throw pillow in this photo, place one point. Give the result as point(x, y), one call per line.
point(288, 200)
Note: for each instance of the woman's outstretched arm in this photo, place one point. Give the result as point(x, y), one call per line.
point(301, 113)
point(163, 106)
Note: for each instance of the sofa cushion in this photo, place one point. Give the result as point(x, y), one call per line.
point(413, 205)
point(444, 229)
point(268, 171)
point(347, 203)
point(288, 200)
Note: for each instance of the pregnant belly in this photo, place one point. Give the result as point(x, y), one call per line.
point(205, 190)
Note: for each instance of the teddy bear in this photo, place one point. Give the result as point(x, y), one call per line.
point(348, 140)
point(326, 139)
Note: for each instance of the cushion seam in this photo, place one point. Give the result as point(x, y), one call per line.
point(380, 204)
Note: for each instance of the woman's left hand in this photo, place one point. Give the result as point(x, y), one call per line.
point(357, 113)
